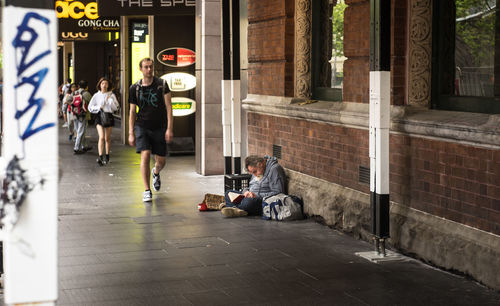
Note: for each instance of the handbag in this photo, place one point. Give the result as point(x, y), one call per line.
point(105, 118)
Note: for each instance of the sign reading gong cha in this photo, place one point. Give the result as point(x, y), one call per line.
point(176, 57)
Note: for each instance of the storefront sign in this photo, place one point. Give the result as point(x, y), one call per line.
point(92, 36)
point(176, 57)
point(183, 106)
point(146, 7)
point(83, 17)
point(180, 81)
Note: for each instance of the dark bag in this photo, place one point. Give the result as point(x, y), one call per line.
point(105, 118)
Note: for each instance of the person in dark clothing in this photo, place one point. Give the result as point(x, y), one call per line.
point(151, 128)
point(268, 179)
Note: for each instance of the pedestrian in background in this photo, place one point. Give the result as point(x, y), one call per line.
point(154, 126)
point(104, 103)
point(64, 108)
point(68, 110)
point(81, 116)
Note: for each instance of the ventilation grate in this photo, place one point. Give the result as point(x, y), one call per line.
point(364, 175)
point(277, 151)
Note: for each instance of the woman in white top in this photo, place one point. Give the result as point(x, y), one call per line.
point(103, 101)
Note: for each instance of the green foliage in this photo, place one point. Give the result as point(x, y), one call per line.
point(478, 30)
point(338, 28)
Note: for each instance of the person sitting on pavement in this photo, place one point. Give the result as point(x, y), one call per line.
point(268, 179)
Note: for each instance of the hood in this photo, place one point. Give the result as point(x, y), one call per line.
point(271, 161)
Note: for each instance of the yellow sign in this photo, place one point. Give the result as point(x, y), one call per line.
point(76, 9)
point(181, 105)
point(139, 51)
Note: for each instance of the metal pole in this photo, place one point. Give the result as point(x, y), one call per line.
point(380, 76)
point(235, 87)
point(226, 84)
point(29, 34)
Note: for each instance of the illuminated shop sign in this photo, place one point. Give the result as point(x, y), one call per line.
point(183, 106)
point(76, 9)
point(176, 57)
point(83, 16)
point(180, 81)
point(146, 7)
point(92, 36)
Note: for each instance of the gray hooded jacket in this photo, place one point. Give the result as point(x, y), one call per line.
point(272, 181)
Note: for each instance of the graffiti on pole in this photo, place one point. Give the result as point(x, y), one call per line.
point(28, 202)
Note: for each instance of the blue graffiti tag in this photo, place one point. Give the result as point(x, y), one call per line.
point(23, 43)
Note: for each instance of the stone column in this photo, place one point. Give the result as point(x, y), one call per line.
point(420, 52)
point(209, 157)
point(303, 25)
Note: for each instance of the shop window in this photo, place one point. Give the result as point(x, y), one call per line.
point(466, 56)
point(327, 49)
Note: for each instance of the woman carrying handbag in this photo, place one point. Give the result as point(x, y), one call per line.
point(104, 103)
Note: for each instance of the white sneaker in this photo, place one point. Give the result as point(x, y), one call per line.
point(156, 180)
point(147, 196)
point(65, 124)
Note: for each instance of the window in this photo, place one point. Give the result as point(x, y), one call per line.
point(466, 38)
point(327, 49)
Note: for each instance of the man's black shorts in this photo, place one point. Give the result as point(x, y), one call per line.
point(152, 140)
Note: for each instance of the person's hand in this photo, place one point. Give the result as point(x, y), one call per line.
point(169, 135)
point(249, 194)
point(131, 139)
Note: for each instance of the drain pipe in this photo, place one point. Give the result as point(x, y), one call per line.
point(380, 88)
point(235, 87)
point(226, 85)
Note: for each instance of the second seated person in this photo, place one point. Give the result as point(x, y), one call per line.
point(104, 100)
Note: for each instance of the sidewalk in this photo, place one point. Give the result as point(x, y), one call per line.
point(116, 250)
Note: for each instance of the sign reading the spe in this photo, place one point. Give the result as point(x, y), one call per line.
point(180, 81)
point(183, 106)
point(177, 57)
point(146, 7)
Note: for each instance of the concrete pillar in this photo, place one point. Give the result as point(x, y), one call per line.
point(209, 155)
point(124, 76)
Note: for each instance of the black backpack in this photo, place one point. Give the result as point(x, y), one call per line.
point(138, 85)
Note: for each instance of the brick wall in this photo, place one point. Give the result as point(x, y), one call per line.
point(449, 180)
point(357, 50)
point(398, 51)
point(271, 47)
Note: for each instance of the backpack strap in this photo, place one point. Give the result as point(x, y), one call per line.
point(138, 85)
point(164, 86)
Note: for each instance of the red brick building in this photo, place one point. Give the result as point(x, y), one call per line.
point(444, 145)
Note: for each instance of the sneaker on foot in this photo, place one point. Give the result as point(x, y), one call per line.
point(231, 212)
point(99, 162)
point(147, 196)
point(156, 180)
point(65, 124)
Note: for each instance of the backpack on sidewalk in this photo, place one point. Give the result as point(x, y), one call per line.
point(282, 207)
point(78, 105)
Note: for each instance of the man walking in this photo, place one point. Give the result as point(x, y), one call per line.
point(151, 128)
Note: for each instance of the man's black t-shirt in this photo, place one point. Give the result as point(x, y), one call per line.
point(150, 100)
